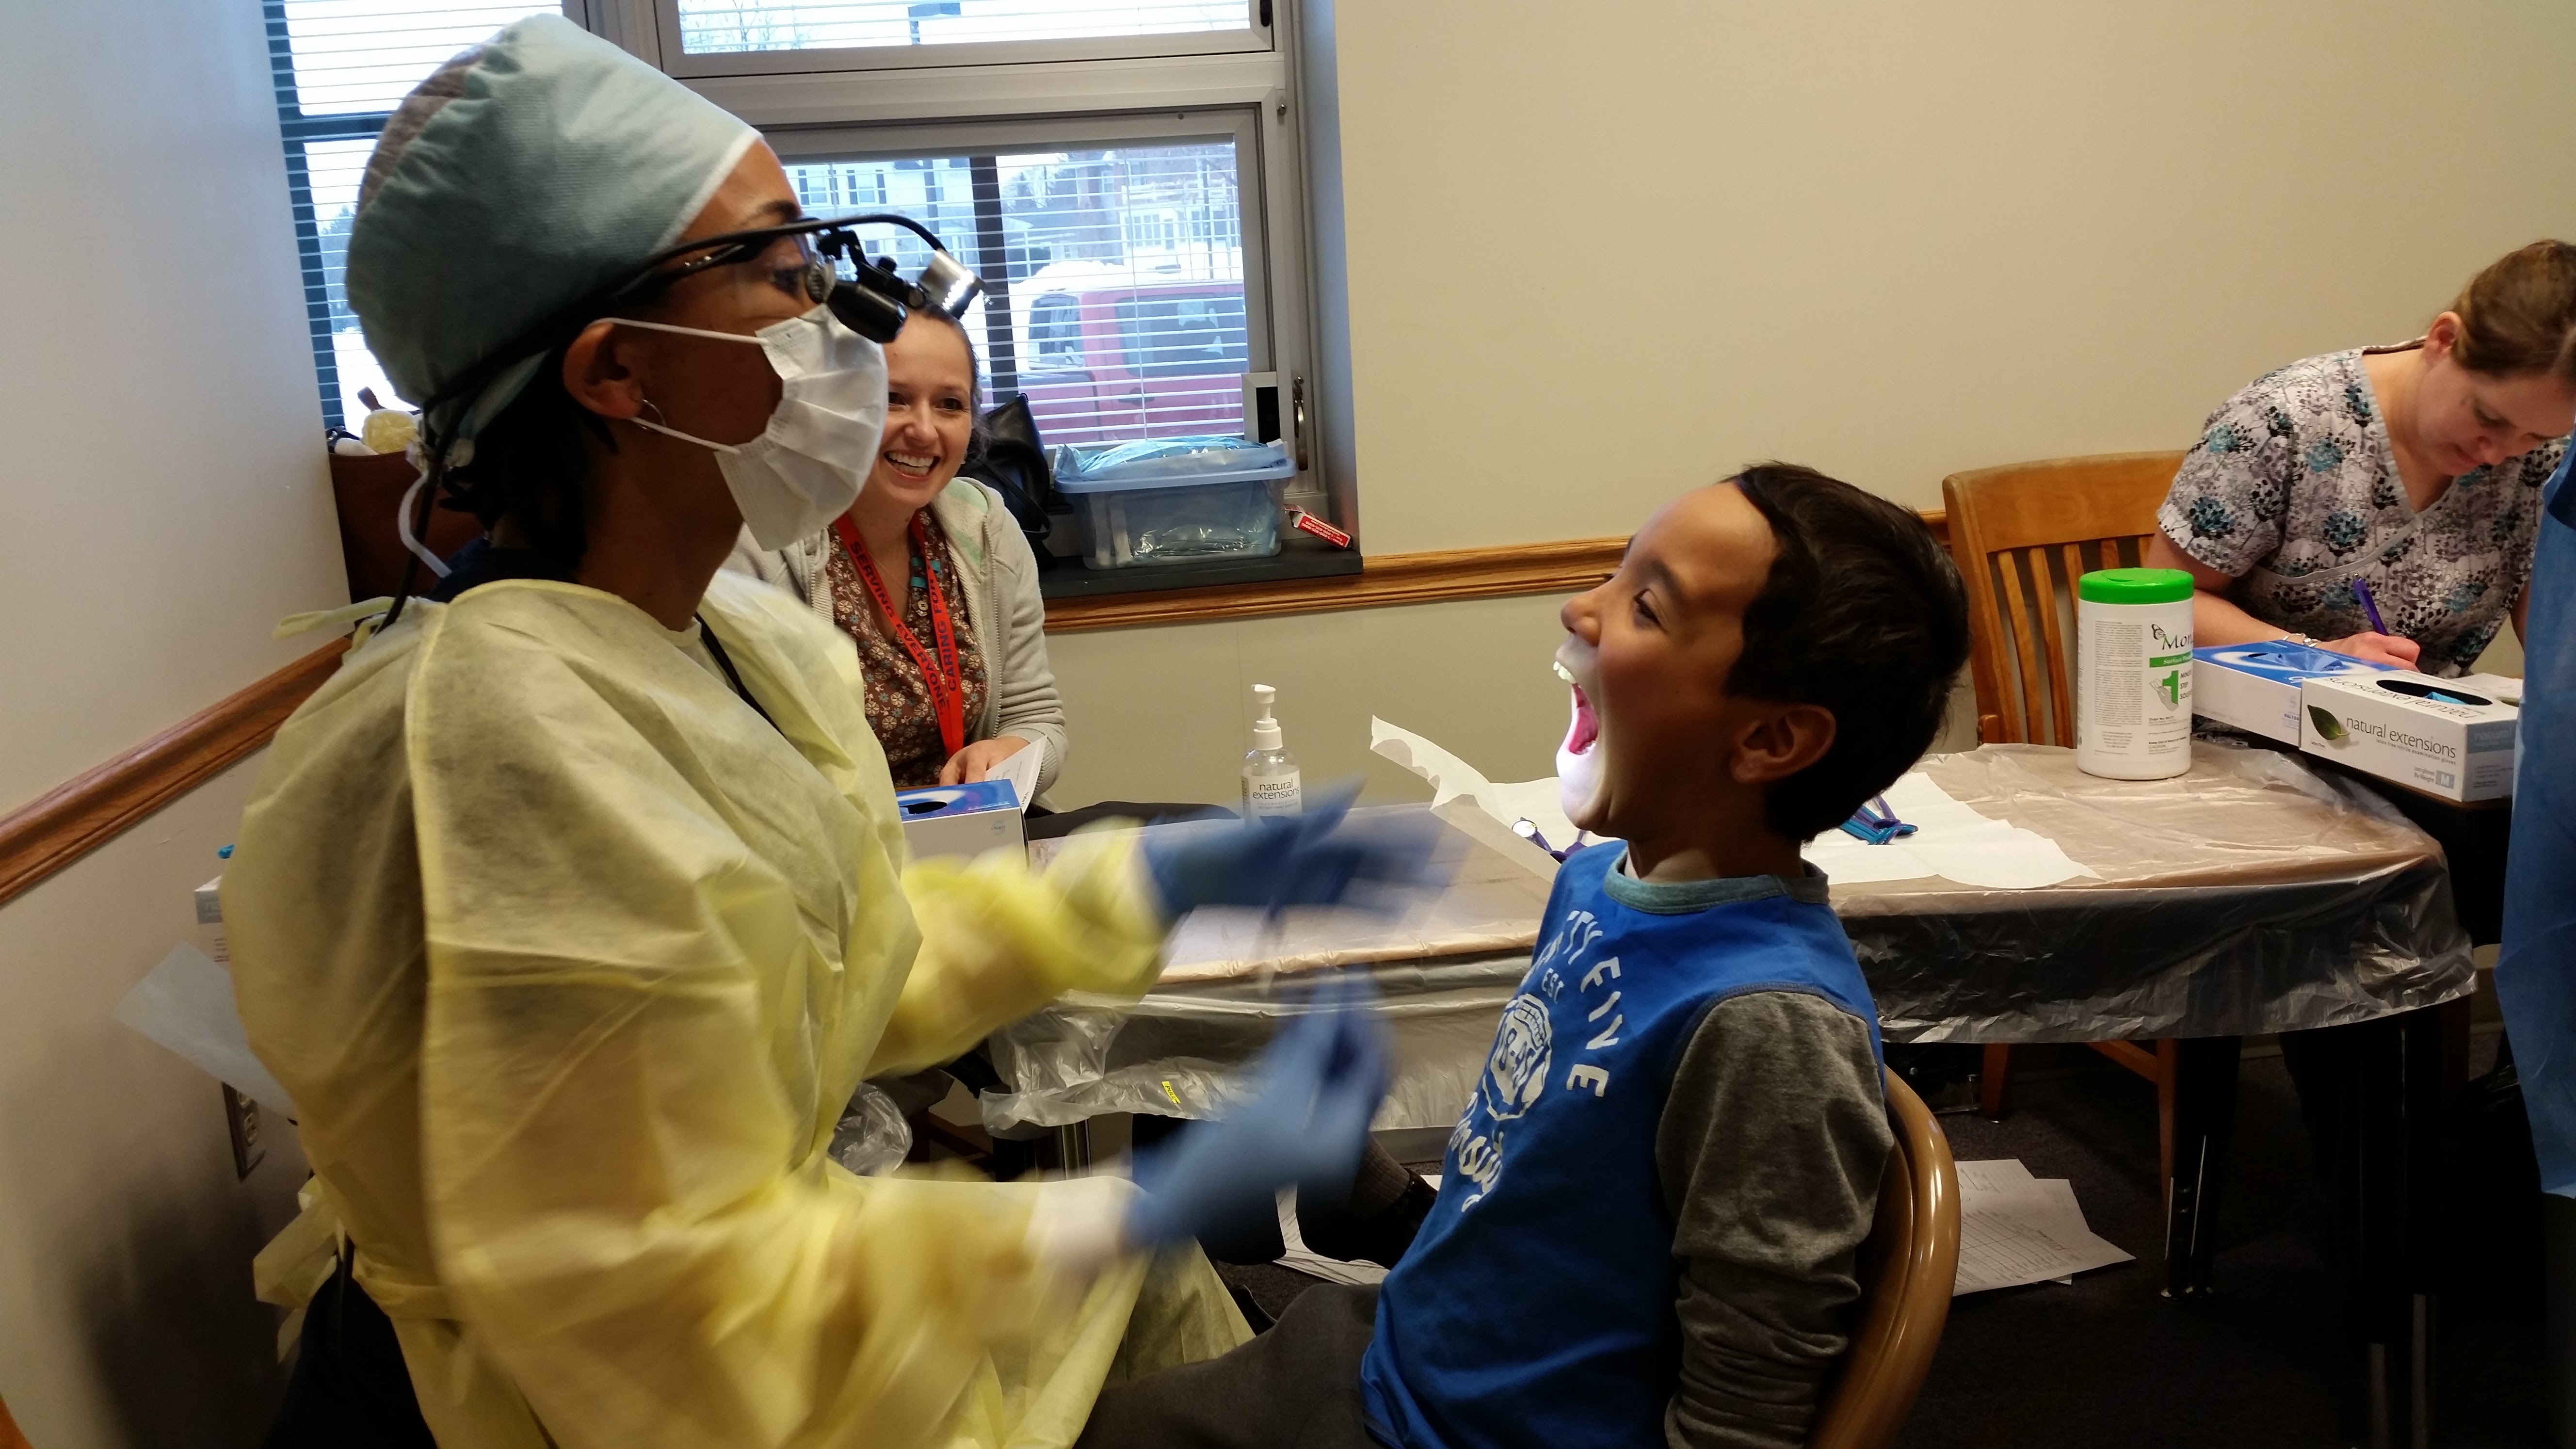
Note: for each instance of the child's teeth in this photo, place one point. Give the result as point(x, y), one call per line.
point(1561, 671)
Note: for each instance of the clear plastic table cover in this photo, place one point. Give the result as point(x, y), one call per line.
point(2248, 895)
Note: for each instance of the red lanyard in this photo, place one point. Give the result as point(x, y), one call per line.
point(947, 682)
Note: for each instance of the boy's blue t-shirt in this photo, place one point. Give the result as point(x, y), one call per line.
point(1536, 1305)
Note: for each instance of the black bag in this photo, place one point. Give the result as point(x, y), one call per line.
point(1012, 460)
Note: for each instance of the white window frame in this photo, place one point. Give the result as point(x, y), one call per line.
point(1253, 36)
point(980, 101)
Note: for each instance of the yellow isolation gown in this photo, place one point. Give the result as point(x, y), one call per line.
point(571, 959)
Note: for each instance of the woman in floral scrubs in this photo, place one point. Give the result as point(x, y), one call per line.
point(2415, 467)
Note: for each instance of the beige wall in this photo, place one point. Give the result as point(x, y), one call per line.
point(1166, 714)
point(167, 499)
point(1891, 239)
point(165, 503)
point(1596, 259)
point(126, 1316)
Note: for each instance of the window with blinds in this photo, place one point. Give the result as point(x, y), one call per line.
point(1114, 277)
point(340, 67)
point(1136, 220)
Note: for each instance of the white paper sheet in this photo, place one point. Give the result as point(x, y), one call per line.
point(1949, 840)
point(186, 1004)
point(1311, 1263)
point(2016, 1229)
point(1451, 777)
point(1021, 769)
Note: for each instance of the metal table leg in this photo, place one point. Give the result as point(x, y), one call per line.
point(2421, 1096)
point(2203, 1118)
point(1073, 1147)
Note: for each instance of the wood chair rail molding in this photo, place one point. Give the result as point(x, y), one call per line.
point(80, 815)
point(83, 813)
point(1563, 567)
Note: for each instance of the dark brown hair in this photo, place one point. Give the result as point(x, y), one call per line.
point(2519, 315)
point(529, 465)
point(1863, 613)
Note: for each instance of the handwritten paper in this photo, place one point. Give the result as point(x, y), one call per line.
point(2015, 1228)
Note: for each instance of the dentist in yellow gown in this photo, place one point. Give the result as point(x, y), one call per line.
point(574, 907)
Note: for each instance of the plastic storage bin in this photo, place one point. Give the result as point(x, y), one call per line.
point(1176, 500)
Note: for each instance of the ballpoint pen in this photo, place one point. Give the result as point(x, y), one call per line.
point(2369, 606)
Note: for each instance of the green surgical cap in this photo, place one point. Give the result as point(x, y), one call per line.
point(529, 172)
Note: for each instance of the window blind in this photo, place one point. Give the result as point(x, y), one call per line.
point(1114, 278)
point(340, 67)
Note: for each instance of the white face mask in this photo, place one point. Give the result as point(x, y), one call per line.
point(807, 467)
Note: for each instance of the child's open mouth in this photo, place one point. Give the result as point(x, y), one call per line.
point(1580, 768)
point(1585, 729)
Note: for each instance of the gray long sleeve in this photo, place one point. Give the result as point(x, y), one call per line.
point(1770, 1149)
point(1025, 701)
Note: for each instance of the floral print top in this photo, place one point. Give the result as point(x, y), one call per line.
point(2293, 489)
point(898, 701)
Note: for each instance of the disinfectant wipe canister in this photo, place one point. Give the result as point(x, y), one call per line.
point(2133, 673)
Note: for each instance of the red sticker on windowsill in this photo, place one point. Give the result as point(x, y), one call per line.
point(1318, 527)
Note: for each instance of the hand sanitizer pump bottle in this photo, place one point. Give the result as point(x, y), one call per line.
point(1270, 781)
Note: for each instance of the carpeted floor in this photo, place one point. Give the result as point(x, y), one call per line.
point(2108, 1361)
point(2270, 1360)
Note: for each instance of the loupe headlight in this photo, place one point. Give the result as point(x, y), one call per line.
point(950, 287)
point(865, 294)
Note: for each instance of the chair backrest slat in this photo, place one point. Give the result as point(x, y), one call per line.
point(2018, 614)
point(2022, 536)
point(2053, 630)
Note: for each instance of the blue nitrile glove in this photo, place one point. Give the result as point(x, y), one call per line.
point(1315, 1088)
point(1305, 860)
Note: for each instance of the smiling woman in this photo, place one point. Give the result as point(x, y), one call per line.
point(2411, 471)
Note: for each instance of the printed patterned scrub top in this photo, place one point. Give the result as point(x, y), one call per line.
point(2293, 489)
point(898, 701)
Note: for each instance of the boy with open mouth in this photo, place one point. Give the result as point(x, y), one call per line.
point(1647, 1218)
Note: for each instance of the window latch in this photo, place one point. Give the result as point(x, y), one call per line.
point(1297, 410)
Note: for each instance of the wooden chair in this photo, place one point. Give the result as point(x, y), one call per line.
point(1907, 1267)
point(2021, 535)
point(10, 1438)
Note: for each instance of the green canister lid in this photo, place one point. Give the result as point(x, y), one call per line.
point(2134, 586)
